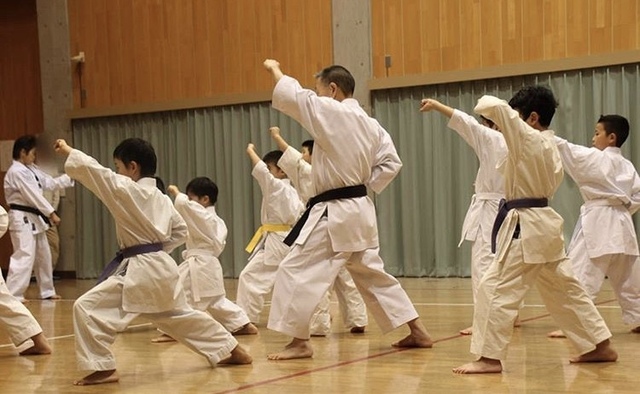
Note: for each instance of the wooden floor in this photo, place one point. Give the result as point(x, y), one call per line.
point(343, 362)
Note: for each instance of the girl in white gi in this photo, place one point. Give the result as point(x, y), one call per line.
point(147, 282)
point(489, 146)
point(529, 242)
point(281, 207)
point(340, 228)
point(15, 318)
point(297, 165)
point(30, 215)
point(201, 272)
point(604, 242)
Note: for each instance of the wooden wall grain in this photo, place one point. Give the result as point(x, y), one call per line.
point(20, 90)
point(427, 36)
point(152, 51)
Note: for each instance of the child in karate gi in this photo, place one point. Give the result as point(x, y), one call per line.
point(30, 215)
point(604, 242)
point(147, 281)
point(201, 272)
point(281, 207)
point(490, 148)
point(529, 245)
point(15, 318)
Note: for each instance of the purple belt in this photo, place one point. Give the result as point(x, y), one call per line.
point(504, 208)
point(125, 253)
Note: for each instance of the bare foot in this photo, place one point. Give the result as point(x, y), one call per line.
point(238, 356)
point(247, 329)
point(357, 330)
point(636, 330)
point(419, 337)
point(53, 297)
point(163, 338)
point(483, 365)
point(603, 353)
point(40, 346)
point(98, 377)
point(466, 331)
point(556, 334)
point(297, 348)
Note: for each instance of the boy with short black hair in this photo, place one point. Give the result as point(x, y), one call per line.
point(528, 241)
point(147, 282)
point(281, 207)
point(604, 241)
point(30, 215)
point(201, 272)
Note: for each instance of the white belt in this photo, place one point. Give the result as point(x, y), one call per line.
point(198, 252)
point(487, 196)
point(603, 203)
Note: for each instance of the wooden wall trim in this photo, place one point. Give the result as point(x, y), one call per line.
point(215, 101)
point(547, 66)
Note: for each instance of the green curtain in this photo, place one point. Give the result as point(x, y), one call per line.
point(421, 214)
point(199, 142)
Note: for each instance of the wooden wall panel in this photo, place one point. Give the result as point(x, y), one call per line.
point(430, 32)
point(155, 51)
point(511, 24)
point(475, 34)
point(20, 88)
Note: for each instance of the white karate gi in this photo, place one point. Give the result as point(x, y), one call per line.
point(604, 241)
point(489, 146)
point(150, 286)
point(532, 169)
point(201, 272)
point(4, 221)
point(15, 318)
point(24, 185)
point(352, 307)
point(350, 149)
point(280, 205)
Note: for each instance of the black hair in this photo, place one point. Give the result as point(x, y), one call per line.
point(160, 184)
point(340, 76)
point(272, 157)
point(140, 151)
point(26, 142)
point(538, 99)
point(488, 122)
point(616, 124)
point(309, 145)
point(203, 186)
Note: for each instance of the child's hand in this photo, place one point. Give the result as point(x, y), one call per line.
point(251, 148)
point(427, 105)
point(271, 64)
point(62, 148)
point(173, 190)
point(274, 131)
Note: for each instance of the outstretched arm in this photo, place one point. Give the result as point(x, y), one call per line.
point(251, 151)
point(280, 142)
point(274, 68)
point(427, 105)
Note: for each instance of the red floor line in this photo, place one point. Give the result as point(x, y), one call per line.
point(343, 363)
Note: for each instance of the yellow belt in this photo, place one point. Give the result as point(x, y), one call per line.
point(265, 228)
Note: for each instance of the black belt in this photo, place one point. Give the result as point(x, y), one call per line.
point(36, 211)
point(506, 206)
point(333, 194)
point(125, 254)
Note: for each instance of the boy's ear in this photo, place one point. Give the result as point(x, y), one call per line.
point(533, 118)
point(206, 200)
point(613, 139)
